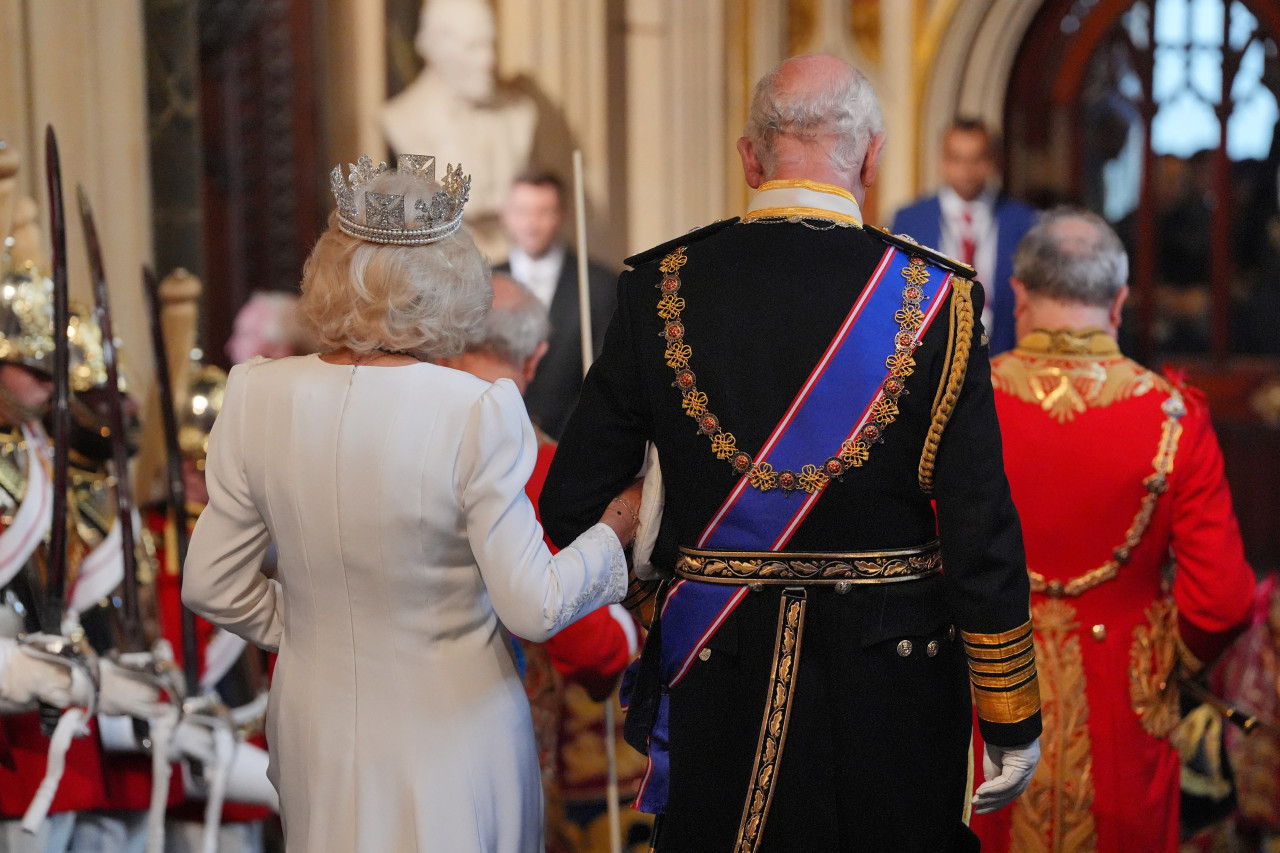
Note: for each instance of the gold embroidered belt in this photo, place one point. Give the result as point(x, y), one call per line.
point(795, 568)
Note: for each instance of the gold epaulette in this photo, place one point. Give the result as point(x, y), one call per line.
point(907, 244)
point(693, 236)
point(959, 343)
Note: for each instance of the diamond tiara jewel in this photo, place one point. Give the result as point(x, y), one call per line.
point(383, 218)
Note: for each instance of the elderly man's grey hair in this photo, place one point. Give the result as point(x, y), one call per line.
point(513, 331)
point(846, 109)
point(1072, 255)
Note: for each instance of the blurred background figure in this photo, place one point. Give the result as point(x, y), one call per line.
point(971, 220)
point(571, 676)
point(1248, 679)
point(533, 216)
point(268, 325)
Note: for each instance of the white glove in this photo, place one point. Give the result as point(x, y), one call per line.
point(26, 678)
point(192, 739)
point(1008, 770)
point(124, 693)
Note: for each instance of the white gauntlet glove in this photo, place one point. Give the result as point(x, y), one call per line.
point(27, 678)
point(193, 738)
point(1008, 770)
point(124, 692)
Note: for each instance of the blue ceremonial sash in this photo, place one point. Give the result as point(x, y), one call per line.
point(690, 614)
point(832, 407)
point(842, 390)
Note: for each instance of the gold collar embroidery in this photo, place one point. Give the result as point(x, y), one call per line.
point(1087, 342)
point(1066, 372)
point(799, 199)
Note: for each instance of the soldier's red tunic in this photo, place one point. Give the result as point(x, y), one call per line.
point(82, 785)
point(1117, 474)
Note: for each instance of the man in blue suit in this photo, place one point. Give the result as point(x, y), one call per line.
point(968, 219)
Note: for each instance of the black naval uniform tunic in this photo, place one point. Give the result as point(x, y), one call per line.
point(875, 756)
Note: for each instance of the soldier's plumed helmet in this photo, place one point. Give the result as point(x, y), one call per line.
point(26, 316)
point(206, 386)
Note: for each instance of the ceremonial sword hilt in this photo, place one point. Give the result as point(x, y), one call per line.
point(72, 653)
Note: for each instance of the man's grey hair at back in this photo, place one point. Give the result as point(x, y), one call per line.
point(514, 332)
point(1060, 262)
point(847, 109)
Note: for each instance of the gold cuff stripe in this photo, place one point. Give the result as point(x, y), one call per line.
point(1001, 639)
point(1012, 706)
point(1002, 667)
point(1000, 653)
point(1003, 682)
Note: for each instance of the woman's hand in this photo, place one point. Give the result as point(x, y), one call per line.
point(623, 513)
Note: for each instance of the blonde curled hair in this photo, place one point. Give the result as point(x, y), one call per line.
point(430, 301)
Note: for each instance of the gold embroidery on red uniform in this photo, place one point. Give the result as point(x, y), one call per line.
point(1049, 817)
point(1152, 659)
point(1066, 373)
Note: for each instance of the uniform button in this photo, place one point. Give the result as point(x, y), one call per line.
point(951, 633)
point(843, 587)
point(904, 648)
point(1099, 632)
point(704, 655)
point(932, 649)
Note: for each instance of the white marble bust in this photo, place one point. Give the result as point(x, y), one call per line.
point(455, 110)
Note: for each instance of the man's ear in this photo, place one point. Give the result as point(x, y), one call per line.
point(1117, 307)
point(751, 167)
point(531, 363)
point(871, 163)
point(1020, 297)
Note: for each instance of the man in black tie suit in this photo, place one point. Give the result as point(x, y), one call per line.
point(540, 260)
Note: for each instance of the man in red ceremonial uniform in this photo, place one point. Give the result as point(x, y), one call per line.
point(1113, 470)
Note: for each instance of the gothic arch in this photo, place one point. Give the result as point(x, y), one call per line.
point(967, 49)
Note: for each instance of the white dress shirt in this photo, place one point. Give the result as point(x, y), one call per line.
point(540, 275)
point(985, 234)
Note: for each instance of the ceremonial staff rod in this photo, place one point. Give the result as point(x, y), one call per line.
point(584, 283)
point(176, 488)
point(588, 355)
point(134, 638)
point(53, 605)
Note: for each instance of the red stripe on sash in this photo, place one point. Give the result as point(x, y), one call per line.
point(812, 499)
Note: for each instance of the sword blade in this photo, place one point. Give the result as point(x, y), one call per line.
point(176, 488)
point(134, 638)
point(54, 602)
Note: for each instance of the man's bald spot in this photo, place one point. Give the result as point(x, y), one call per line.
point(810, 73)
point(1076, 237)
point(507, 294)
